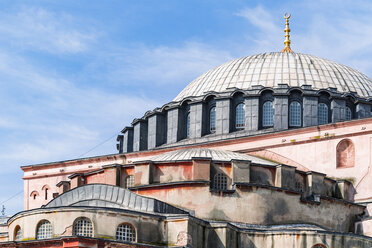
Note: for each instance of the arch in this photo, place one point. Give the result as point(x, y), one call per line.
point(264, 91)
point(237, 93)
point(240, 116)
point(295, 90)
point(319, 246)
point(345, 154)
point(212, 120)
point(129, 181)
point(34, 194)
point(209, 97)
point(268, 114)
point(45, 189)
point(83, 227)
point(126, 232)
point(323, 117)
point(44, 230)
point(295, 114)
point(17, 235)
point(220, 181)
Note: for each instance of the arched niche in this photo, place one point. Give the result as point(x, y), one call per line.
point(345, 154)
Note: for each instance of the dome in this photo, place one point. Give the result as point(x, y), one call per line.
point(272, 69)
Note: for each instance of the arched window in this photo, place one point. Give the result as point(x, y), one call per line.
point(188, 125)
point(295, 114)
point(83, 227)
point(18, 233)
point(322, 114)
point(220, 181)
point(129, 181)
point(345, 154)
point(34, 194)
point(44, 230)
point(126, 232)
point(267, 114)
point(212, 120)
point(239, 116)
point(45, 188)
point(348, 114)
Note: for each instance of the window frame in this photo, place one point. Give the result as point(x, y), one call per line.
point(212, 129)
point(327, 112)
point(271, 124)
point(218, 184)
point(242, 127)
point(290, 124)
point(46, 234)
point(133, 229)
point(74, 229)
point(129, 178)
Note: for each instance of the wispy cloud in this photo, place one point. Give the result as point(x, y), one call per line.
point(40, 29)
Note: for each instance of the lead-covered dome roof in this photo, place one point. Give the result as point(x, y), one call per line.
point(272, 69)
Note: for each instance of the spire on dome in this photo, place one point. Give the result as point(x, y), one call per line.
point(287, 41)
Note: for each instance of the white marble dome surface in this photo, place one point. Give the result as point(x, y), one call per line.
point(272, 69)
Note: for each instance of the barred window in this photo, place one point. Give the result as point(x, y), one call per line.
point(188, 125)
point(44, 230)
point(348, 114)
point(126, 232)
point(220, 181)
point(18, 233)
point(267, 114)
point(240, 116)
point(295, 114)
point(83, 227)
point(322, 114)
point(129, 181)
point(212, 120)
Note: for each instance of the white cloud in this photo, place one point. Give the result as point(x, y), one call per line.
point(38, 28)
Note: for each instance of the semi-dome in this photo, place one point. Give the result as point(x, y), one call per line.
point(272, 69)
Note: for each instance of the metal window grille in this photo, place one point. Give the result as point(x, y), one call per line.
point(18, 234)
point(44, 230)
point(240, 116)
point(268, 114)
point(220, 182)
point(295, 114)
point(83, 227)
point(212, 120)
point(348, 114)
point(129, 181)
point(322, 113)
point(126, 232)
point(188, 125)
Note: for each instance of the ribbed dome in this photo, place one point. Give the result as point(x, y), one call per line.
point(272, 69)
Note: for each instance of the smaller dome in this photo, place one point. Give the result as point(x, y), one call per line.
point(213, 154)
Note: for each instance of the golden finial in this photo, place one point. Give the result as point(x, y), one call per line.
point(287, 42)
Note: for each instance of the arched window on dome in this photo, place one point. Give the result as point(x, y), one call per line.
point(240, 116)
point(126, 232)
point(17, 233)
point(295, 114)
point(322, 114)
point(188, 125)
point(348, 114)
point(345, 154)
point(267, 114)
point(83, 227)
point(44, 230)
point(212, 120)
point(220, 181)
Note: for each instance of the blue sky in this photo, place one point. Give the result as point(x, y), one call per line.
point(74, 73)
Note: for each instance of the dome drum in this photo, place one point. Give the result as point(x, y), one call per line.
point(240, 113)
